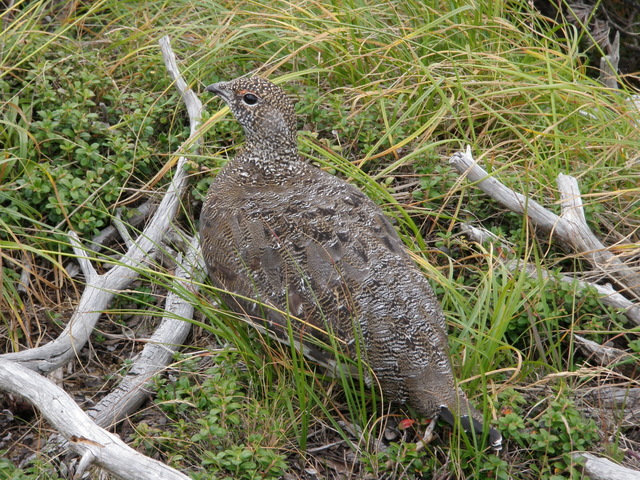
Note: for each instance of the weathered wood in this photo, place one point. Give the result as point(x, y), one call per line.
point(84, 436)
point(158, 352)
point(581, 239)
point(87, 439)
point(173, 329)
point(620, 403)
point(603, 469)
point(569, 229)
point(608, 295)
point(101, 289)
point(602, 354)
point(609, 64)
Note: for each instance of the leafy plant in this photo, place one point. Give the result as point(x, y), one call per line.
point(215, 427)
point(553, 435)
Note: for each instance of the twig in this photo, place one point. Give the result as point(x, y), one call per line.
point(620, 404)
point(109, 233)
point(89, 272)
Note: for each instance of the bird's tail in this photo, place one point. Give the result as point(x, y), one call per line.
point(470, 419)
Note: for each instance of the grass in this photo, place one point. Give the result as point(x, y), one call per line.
point(385, 91)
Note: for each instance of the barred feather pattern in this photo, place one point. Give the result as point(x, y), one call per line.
point(294, 246)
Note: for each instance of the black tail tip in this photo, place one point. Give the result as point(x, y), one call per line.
point(495, 439)
point(468, 423)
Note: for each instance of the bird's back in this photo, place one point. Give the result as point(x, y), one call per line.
point(318, 252)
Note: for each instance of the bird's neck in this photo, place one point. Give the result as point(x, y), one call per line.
point(272, 141)
point(269, 163)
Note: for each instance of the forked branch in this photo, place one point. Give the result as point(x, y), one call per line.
point(569, 229)
point(101, 289)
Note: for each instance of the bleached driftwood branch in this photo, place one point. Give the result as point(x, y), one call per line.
point(570, 228)
point(109, 233)
point(94, 444)
point(190, 99)
point(159, 350)
point(173, 329)
point(609, 64)
point(83, 435)
point(608, 295)
point(100, 289)
point(603, 469)
point(603, 354)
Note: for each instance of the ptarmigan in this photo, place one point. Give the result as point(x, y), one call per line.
point(292, 244)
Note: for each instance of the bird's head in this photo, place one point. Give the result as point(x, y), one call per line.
point(263, 109)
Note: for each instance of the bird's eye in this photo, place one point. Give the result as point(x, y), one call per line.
point(250, 98)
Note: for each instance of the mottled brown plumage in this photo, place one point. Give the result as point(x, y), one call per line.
point(315, 251)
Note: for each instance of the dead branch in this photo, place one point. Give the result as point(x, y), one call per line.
point(569, 229)
point(82, 435)
point(609, 64)
point(101, 289)
point(109, 233)
point(602, 354)
point(584, 242)
point(620, 403)
point(603, 469)
point(94, 444)
point(173, 329)
point(159, 350)
point(190, 99)
point(608, 295)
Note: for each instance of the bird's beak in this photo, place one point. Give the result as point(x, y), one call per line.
point(213, 88)
point(220, 90)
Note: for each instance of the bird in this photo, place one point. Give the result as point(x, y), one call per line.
point(311, 260)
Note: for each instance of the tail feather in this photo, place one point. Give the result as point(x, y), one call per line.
point(468, 423)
